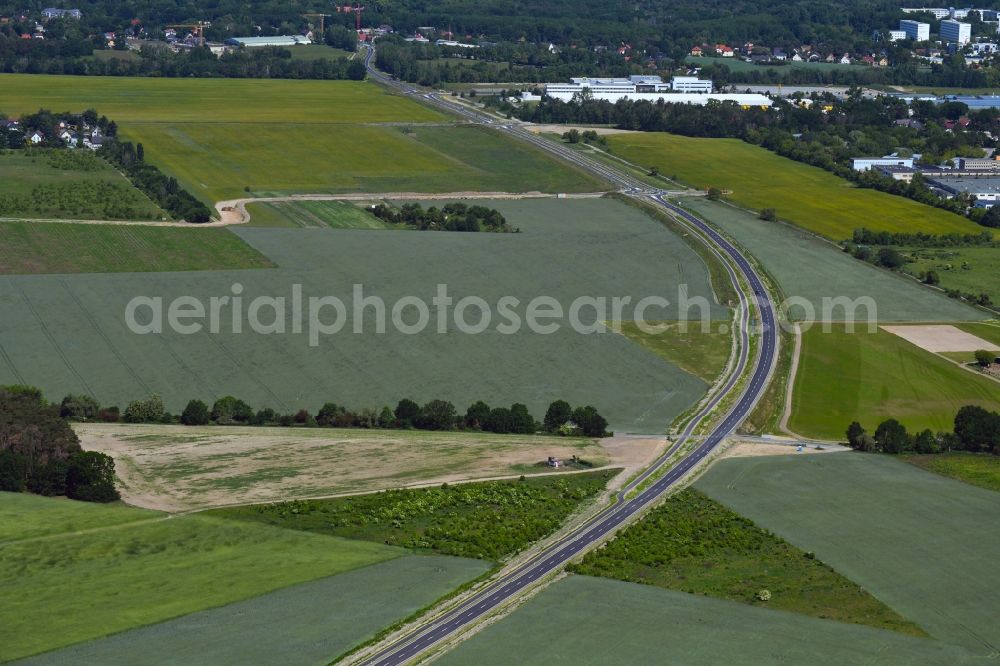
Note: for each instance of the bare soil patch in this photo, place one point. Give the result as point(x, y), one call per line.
point(755, 449)
point(940, 338)
point(178, 468)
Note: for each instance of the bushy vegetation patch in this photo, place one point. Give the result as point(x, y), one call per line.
point(489, 520)
point(694, 544)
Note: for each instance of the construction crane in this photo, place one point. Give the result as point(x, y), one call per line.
point(197, 29)
point(322, 21)
point(357, 9)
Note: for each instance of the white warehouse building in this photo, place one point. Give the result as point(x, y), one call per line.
point(916, 30)
point(955, 31)
point(681, 90)
point(277, 40)
point(868, 163)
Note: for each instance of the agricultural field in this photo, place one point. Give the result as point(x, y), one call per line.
point(44, 247)
point(312, 214)
point(26, 516)
point(342, 611)
point(584, 620)
point(692, 544)
point(488, 520)
point(870, 377)
point(805, 195)
point(703, 353)
point(907, 536)
point(71, 336)
point(56, 184)
point(970, 270)
point(177, 468)
point(804, 266)
point(981, 470)
point(82, 585)
point(224, 138)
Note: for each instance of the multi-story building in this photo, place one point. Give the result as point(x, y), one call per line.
point(915, 30)
point(955, 31)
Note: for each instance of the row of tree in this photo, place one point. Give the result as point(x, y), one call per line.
point(865, 236)
point(976, 430)
point(162, 189)
point(452, 217)
point(560, 417)
point(40, 453)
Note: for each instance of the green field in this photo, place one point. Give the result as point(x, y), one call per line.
point(44, 247)
point(692, 544)
point(981, 470)
point(806, 267)
point(25, 516)
point(583, 620)
point(488, 520)
point(78, 586)
point(313, 621)
point(971, 270)
point(186, 100)
point(703, 353)
point(921, 543)
point(69, 336)
point(804, 195)
point(219, 160)
point(870, 377)
point(64, 185)
point(312, 214)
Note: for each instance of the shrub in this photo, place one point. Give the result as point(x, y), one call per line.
point(769, 214)
point(90, 477)
point(229, 410)
point(149, 410)
point(79, 408)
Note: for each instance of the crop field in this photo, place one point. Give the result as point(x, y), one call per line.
point(584, 620)
point(806, 267)
point(488, 520)
point(44, 247)
point(342, 611)
point(313, 214)
point(60, 185)
point(78, 586)
point(979, 470)
point(25, 516)
point(971, 270)
point(870, 377)
point(152, 100)
point(692, 544)
point(175, 468)
point(804, 195)
point(71, 336)
point(905, 535)
point(702, 352)
point(220, 160)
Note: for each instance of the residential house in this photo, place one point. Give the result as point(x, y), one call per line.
point(845, 59)
point(725, 51)
point(779, 54)
point(796, 57)
point(696, 51)
point(36, 137)
point(831, 58)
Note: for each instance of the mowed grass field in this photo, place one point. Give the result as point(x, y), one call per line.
point(220, 137)
point(314, 621)
point(869, 377)
point(923, 544)
point(52, 247)
point(75, 586)
point(584, 620)
point(806, 267)
point(173, 468)
point(25, 516)
point(70, 336)
point(804, 195)
point(313, 214)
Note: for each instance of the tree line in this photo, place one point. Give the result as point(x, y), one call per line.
point(976, 430)
point(560, 417)
point(451, 217)
point(40, 453)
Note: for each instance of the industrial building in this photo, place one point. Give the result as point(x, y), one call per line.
point(915, 30)
point(277, 40)
point(955, 31)
point(680, 90)
point(868, 163)
point(985, 188)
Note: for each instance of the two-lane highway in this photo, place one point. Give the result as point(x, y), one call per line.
point(748, 380)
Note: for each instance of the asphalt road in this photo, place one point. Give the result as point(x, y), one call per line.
point(559, 553)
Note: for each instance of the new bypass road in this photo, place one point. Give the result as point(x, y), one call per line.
point(741, 393)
